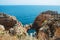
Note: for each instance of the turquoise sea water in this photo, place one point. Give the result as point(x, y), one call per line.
point(26, 13)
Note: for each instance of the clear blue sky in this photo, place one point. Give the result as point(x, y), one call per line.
point(29, 2)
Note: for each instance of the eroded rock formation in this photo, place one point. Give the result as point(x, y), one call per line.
point(7, 21)
point(46, 22)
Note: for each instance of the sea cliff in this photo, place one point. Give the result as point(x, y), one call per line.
point(46, 26)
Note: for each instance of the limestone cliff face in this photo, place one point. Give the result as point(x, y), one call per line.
point(7, 21)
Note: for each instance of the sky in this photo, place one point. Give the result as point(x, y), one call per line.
point(29, 2)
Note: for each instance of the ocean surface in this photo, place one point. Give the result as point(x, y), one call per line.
point(26, 13)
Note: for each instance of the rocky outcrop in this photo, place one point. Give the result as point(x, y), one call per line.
point(42, 36)
point(7, 21)
point(47, 22)
point(27, 26)
point(44, 16)
point(40, 19)
point(11, 24)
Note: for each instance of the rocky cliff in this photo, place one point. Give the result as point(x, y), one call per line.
point(7, 21)
point(46, 24)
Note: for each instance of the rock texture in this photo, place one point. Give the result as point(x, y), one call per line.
point(2, 28)
point(7, 21)
point(47, 22)
point(40, 19)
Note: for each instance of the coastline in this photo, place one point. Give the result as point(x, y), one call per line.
point(45, 26)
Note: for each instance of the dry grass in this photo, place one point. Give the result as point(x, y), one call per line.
point(6, 36)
